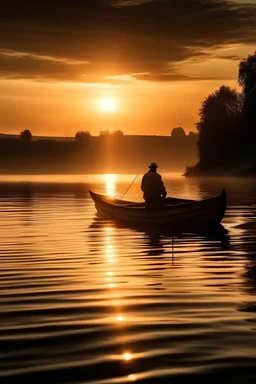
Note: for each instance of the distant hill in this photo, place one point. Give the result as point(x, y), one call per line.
point(96, 154)
point(36, 138)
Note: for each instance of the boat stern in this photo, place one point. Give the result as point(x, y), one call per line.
point(223, 204)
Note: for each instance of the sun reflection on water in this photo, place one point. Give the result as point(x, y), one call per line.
point(112, 285)
point(110, 184)
point(110, 253)
point(109, 249)
point(127, 356)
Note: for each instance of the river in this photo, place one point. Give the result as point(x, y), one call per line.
point(85, 301)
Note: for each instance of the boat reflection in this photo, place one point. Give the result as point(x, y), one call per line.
point(156, 236)
point(155, 245)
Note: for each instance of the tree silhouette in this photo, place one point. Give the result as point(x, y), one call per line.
point(219, 127)
point(117, 133)
point(104, 133)
point(247, 73)
point(178, 132)
point(247, 80)
point(192, 134)
point(26, 135)
point(82, 137)
point(227, 126)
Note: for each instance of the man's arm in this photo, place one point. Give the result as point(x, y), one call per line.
point(164, 193)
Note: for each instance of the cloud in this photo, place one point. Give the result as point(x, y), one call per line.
point(229, 57)
point(102, 40)
point(15, 65)
point(5, 53)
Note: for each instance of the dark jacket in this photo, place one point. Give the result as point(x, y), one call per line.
point(152, 186)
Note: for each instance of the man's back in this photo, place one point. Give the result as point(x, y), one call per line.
point(152, 186)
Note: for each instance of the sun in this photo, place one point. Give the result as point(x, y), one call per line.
point(108, 104)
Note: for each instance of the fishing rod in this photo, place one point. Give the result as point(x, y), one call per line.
point(129, 187)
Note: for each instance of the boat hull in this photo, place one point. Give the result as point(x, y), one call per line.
point(174, 212)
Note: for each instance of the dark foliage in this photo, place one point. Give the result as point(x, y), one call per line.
point(227, 127)
point(82, 137)
point(26, 135)
point(117, 133)
point(247, 80)
point(219, 126)
point(104, 133)
point(178, 133)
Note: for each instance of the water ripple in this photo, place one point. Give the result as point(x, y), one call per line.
point(84, 301)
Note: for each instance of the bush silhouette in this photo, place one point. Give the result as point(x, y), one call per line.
point(178, 133)
point(26, 135)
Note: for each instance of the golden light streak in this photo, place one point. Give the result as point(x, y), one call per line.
point(127, 356)
point(110, 185)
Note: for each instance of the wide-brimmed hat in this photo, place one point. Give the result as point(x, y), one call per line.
point(153, 165)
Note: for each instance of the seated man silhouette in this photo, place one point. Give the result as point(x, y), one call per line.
point(153, 187)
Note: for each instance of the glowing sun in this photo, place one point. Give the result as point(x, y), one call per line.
point(108, 104)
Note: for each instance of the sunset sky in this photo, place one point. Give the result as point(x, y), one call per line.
point(142, 66)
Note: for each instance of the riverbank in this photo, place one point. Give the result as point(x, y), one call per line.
point(244, 166)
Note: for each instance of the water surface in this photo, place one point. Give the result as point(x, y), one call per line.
point(84, 301)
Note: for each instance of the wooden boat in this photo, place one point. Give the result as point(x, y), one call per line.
point(174, 212)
